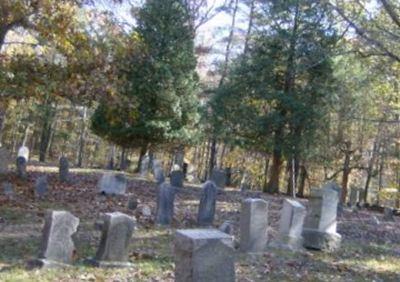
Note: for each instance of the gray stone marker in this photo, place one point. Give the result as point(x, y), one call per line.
point(204, 255)
point(206, 213)
point(144, 166)
point(320, 224)
point(117, 229)
point(41, 186)
point(176, 178)
point(354, 196)
point(253, 225)
point(21, 168)
point(8, 189)
point(291, 225)
point(219, 178)
point(64, 169)
point(112, 184)
point(158, 171)
point(57, 245)
point(5, 160)
point(165, 204)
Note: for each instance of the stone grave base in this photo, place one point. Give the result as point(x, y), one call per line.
point(44, 263)
point(108, 264)
point(317, 240)
point(288, 243)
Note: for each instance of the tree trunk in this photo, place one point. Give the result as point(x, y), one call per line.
point(142, 153)
point(3, 110)
point(273, 184)
point(345, 177)
point(303, 176)
point(250, 26)
point(48, 114)
point(82, 138)
point(370, 168)
point(265, 186)
point(213, 154)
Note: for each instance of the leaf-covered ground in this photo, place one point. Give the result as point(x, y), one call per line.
point(370, 249)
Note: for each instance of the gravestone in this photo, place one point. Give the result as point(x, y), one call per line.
point(291, 225)
point(227, 227)
point(57, 245)
point(23, 152)
point(158, 171)
point(8, 189)
point(165, 204)
point(112, 184)
point(64, 169)
point(219, 178)
point(354, 197)
point(320, 224)
point(388, 214)
point(253, 225)
point(5, 160)
point(117, 231)
point(41, 186)
point(176, 178)
point(203, 255)
point(132, 202)
point(21, 168)
point(144, 166)
point(206, 213)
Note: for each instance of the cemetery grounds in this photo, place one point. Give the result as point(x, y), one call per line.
point(370, 246)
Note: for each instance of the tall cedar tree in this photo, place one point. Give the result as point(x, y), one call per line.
point(159, 105)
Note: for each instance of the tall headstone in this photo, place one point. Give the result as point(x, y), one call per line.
point(21, 168)
point(253, 225)
point(320, 224)
point(5, 160)
point(144, 166)
point(165, 204)
point(64, 169)
point(176, 178)
point(57, 244)
point(204, 255)
point(206, 213)
point(219, 178)
point(158, 171)
point(291, 225)
point(112, 184)
point(41, 186)
point(117, 229)
point(23, 151)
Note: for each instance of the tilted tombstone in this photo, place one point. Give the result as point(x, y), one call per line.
point(158, 171)
point(319, 230)
point(23, 152)
point(57, 244)
point(144, 166)
point(165, 204)
point(291, 225)
point(5, 160)
point(176, 178)
point(112, 184)
point(21, 168)
point(253, 225)
point(41, 186)
point(64, 169)
point(203, 255)
point(219, 178)
point(206, 213)
point(117, 229)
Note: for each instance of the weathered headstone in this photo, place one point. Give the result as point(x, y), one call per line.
point(112, 184)
point(21, 168)
point(253, 225)
point(204, 255)
point(206, 213)
point(219, 178)
point(354, 196)
point(8, 189)
point(165, 204)
point(132, 202)
point(64, 169)
point(117, 231)
point(176, 178)
point(41, 186)
point(144, 166)
point(5, 160)
point(291, 225)
point(57, 245)
point(158, 171)
point(319, 230)
point(23, 152)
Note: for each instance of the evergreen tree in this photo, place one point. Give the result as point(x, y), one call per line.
point(159, 104)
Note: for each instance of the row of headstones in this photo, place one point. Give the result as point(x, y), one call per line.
point(201, 254)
